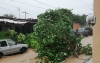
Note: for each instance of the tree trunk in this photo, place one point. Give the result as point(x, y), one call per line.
point(70, 45)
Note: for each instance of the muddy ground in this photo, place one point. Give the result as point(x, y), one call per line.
point(30, 55)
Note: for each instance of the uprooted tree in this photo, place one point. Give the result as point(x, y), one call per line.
point(55, 40)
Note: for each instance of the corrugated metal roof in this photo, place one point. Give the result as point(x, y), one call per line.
point(12, 21)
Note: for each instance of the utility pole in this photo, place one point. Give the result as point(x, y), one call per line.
point(25, 14)
point(19, 12)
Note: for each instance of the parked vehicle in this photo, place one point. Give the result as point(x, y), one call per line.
point(82, 31)
point(8, 46)
point(74, 31)
point(90, 30)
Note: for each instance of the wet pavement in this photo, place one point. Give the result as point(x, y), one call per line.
point(90, 61)
point(87, 40)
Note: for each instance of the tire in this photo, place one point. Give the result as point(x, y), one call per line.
point(23, 50)
point(87, 35)
point(1, 55)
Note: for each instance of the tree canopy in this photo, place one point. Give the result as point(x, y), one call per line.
point(9, 15)
point(81, 19)
point(52, 32)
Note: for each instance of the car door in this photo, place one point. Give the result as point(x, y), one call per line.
point(4, 48)
point(13, 46)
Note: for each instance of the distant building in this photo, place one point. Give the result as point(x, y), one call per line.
point(18, 25)
point(76, 25)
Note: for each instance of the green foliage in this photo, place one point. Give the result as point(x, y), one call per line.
point(10, 33)
point(20, 38)
point(87, 49)
point(9, 15)
point(30, 41)
point(79, 19)
point(76, 43)
point(53, 35)
point(2, 35)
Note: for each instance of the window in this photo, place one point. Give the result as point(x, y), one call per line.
point(3, 43)
point(80, 30)
point(11, 42)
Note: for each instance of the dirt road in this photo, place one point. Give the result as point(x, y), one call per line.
point(87, 40)
point(30, 55)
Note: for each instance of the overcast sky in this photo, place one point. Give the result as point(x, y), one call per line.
point(35, 8)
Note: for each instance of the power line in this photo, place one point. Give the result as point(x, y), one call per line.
point(5, 8)
point(44, 3)
point(82, 6)
point(8, 9)
point(82, 1)
point(76, 2)
point(8, 5)
point(28, 4)
point(13, 11)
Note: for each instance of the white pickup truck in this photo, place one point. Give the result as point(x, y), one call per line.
point(8, 46)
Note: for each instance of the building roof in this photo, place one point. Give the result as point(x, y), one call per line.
point(17, 21)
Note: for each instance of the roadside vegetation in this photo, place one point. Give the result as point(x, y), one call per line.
point(19, 38)
point(52, 39)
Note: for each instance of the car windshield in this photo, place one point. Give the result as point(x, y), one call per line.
point(11, 42)
point(80, 30)
point(72, 30)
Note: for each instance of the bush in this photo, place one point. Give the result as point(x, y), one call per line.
point(87, 49)
point(30, 41)
point(21, 38)
point(11, 34)
point(53, 35)
point(2, 35)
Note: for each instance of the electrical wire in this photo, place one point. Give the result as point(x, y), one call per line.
point(28, 4)
point(76, 2)
point(13, 11)
point(82, 6)
point(44, 4)
point(5, 8)
point(8, 5)
point(80, 2)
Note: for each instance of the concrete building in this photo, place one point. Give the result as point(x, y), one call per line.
point(96, 33)
point(18, 25)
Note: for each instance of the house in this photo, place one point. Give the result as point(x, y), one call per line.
point(76, 26)
point(18, 25)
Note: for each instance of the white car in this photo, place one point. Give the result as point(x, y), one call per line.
point(8, 46)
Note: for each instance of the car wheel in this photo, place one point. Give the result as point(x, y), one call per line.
point(23, 50)
point(1, 55)
point(86, 34)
